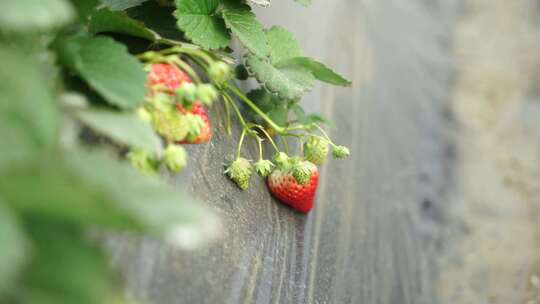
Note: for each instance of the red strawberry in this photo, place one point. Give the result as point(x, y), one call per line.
point(287, 189)
point(205, 133)
point(167, 77)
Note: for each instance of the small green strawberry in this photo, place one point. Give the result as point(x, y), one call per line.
point(175, 158)
point(170, 124)
point(186, 93)
point(240, 172)
point(316, 150)
point(340, 152)
point(206, 93)
point(219, 72)
point(281, 159)
point(143, 161)
point(264, 167)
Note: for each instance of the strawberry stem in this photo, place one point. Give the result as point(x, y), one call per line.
point(240, 142)
point(326, 137)
point(285, 144)
point(259, 142)
point(186, 67)
point(267, 136)
point(228, 113)
point(252, 105)
point(236, 110)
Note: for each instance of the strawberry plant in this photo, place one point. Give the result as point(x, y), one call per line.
point(89, 86)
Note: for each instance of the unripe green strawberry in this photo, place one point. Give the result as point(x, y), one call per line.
point(219, 72)
point(175, 158)
point(186, 93)
point(199, 133)
point(143, 161)
point(302, 172)
point(316, 150)
point(263, 167)
point(206, 93)
point(340, 152)
point(170, 124)
point(240, 172)
point(281, 159)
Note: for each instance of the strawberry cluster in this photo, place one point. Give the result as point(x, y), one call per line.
point(291, 180)
point(175, 108)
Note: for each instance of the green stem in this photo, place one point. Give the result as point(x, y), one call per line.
point(285, 144)
point(228, 113)
point(267, 136)
point(252, 105)
point(236, 110)
point(259, 142)
point(323, 132)
point(186, 67)
point(196, 52)
point(323, 138)
point(240, 142)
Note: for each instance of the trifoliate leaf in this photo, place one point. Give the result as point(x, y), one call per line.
point(288, 82)
point(249, 31)
point(105, 20)
point(34, 15)
point(107, 67)
point(319, 70)
point(126, 128)
point(198, 20)
point(283, 45)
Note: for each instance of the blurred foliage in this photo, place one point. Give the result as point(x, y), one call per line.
point(59, 79)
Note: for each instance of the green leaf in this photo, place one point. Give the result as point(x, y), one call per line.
point(105, 20)
point(275, 107)
point(125, 128)
point(107, 67)
point(120, 5)
point(249, 31)
point(198, 20)
point(319, 70)
point(305, 3)
point(95, 189)
point(34, 15)
point(283, 45)
point(288, 82)
point(13, 244)
point(28, 113)
point(158, 18)
point(65, 268)
point(85, 7)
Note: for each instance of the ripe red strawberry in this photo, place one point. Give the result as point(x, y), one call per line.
point(205, 133)
point(166, 77)
point(283, 186)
